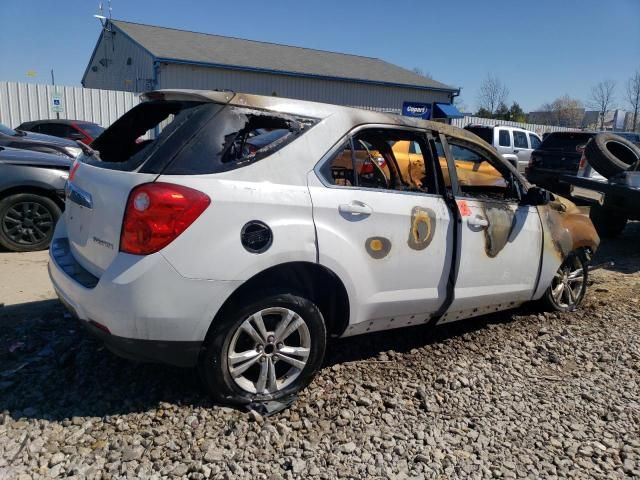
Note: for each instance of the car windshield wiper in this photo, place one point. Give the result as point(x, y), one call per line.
point(87, 150)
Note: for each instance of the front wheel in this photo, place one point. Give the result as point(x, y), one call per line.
point(269, 349)
point(569, 284)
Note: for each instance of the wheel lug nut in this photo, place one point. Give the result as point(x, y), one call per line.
point(270, 339)
point(280, 345)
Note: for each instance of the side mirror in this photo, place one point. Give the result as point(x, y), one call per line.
point(536, 196)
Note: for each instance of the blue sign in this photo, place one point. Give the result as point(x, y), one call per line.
point(416, 110)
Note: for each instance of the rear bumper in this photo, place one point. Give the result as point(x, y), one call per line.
point(152, 313)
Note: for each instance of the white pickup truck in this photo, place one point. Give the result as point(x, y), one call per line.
point(513, 143)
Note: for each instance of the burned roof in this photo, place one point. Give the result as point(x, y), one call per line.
point(181, 46)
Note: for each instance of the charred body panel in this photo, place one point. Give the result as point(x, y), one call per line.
point(565, 229)
point(502, 220)
point(422, 228)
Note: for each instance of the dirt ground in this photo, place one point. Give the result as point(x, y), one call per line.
point(519, 394)
point(23, 278)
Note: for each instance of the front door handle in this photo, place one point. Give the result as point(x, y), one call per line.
point(478, 221)
point(355, 207)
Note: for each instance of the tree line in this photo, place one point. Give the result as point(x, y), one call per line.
point(564, 111)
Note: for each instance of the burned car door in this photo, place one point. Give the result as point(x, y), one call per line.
point(500, 240)
point(385, 236)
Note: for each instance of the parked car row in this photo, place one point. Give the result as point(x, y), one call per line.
point(34, 165)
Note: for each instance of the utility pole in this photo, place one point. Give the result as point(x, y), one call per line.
point(55, 90)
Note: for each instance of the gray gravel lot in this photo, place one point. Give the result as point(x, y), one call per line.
point(519, 394)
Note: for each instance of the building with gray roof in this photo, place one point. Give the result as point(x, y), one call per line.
point(136, 57)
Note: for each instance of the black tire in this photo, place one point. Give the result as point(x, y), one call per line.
point(215, 366)
point(608, 223)
point(611, 154)
point(575, 261)
point(27, 221)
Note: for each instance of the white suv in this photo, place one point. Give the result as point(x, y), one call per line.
point(513, 143)
point(254, 228)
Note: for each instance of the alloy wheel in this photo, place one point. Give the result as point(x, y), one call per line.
point(269, 350)
point(567, 286)
point(27, 223)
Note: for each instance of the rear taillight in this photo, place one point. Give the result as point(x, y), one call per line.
point(583, 162)
point(156, 214)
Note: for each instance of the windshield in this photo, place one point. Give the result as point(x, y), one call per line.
point(7, 131)
point(92, 129)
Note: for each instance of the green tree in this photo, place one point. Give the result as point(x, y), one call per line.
point(484, 113)
point(516, 114)
point(502, 112)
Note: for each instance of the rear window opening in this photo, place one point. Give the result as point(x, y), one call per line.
point(131, 139)
point(188, 138)
point(485, 133)
point(565, 141)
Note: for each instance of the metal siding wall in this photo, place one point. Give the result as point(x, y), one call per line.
point(540, 129)
point(118, 75)
point(328, 91)
point(22, 102)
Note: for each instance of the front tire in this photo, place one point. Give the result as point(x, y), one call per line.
point(268, 349)
point(569, 284)
point(27, 221)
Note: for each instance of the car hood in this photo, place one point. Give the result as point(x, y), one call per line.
point(17, 156)
point(41, 137)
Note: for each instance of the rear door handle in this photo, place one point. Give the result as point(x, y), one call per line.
point(355, 207)
point(478, 221)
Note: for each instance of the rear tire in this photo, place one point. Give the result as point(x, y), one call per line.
point(610, 154)
point(569, 285)
point(264, 350)
point(27, 222)
point(608, 223)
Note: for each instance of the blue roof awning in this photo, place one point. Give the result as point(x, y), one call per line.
point(446, 110)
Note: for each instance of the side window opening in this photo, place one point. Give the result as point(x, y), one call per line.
point(535, 141)
point(382, 159)
point(520, 139)
point(479, 176)
point(504, 139)
point(238, 137)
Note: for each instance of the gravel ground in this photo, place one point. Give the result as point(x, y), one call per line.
point(519, 394)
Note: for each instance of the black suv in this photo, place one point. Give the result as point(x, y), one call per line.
point(559, 154)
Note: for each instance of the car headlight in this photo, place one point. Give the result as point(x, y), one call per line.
point(73, 151)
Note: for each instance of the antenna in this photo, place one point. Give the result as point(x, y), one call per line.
point(100, 15)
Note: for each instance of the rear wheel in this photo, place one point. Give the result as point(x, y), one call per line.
point(608, 223)
point(269, 349)
point(569, 284)
point(27, 221)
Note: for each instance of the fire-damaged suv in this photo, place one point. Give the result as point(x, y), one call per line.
point(201, 248)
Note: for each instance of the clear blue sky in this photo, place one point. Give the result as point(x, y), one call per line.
point(540, 49)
